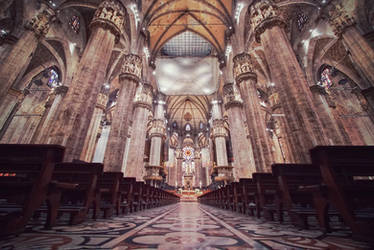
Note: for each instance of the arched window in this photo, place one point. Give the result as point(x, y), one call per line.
point(188, 127)
point(302, 19)
point(75, 23)
point(53, 78)
point(326, 81)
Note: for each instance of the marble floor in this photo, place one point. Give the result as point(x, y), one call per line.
point(186, 225)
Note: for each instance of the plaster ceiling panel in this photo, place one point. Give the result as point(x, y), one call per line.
point(187, 75)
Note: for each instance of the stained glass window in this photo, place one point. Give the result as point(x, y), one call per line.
point(188, 153)
point(326, 79)
point(75, 23)
point(53, 78)
point(302, 19)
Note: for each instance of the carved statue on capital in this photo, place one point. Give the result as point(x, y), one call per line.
point(110, 15)
point(40, 24)
point(340, 19)
point(144, 97)
point(132, 67)
point(243, 68)
point(231, 96)
point(219, 129)
point(264, 14)
point(158, 128)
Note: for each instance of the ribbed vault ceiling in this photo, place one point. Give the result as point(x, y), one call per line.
point(168, 18)
point(188, 109)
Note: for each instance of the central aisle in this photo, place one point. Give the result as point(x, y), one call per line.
point(186, 225)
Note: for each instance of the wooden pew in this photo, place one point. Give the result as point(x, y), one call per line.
point(347, 172)
point(136, 203)
point(268, 194)
point(126, 195)
point(145, 201)
point(249, 203)
point(107, 193)
point(302, 193)
point(74, 192)
point(25, 175)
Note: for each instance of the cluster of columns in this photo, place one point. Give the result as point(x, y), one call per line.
point(80, 107)
point(74, 115)
point(362, 54)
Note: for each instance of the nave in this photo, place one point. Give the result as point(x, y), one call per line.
point(185, 225)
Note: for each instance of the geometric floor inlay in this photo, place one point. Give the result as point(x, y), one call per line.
point(187, 225)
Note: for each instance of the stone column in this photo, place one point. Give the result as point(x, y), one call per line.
point(71, 126)
point(97, 117)
point(17, 59)
point(243, 153)
point(179, 158)
point(219, 134)
point(304, 129)
point(156, 134)
point(277, 127)
point(362, 53)
point(143, 107)
point(129, 80)
point(101, 143)
point(197, 161)
point(246, 79)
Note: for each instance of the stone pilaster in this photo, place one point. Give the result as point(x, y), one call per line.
point(362, 53)
point(304, 129)
point(243, 153)
point(78, 106)
point(18, 58)
point(224, 171)
point(143, 107)
point(93, 130)
point(129, 80)
point(246, 79)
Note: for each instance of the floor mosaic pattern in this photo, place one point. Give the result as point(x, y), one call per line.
point(187, 225)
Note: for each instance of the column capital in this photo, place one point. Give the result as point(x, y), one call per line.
point(158, 128)
point(144, 97)
point(264, 15)
point(132, 67)
point(243, 68)
point(340, 19)
point(231, 96)
point(219, 129)
point(110, 15)
point(102, 100)
point(40, 23)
